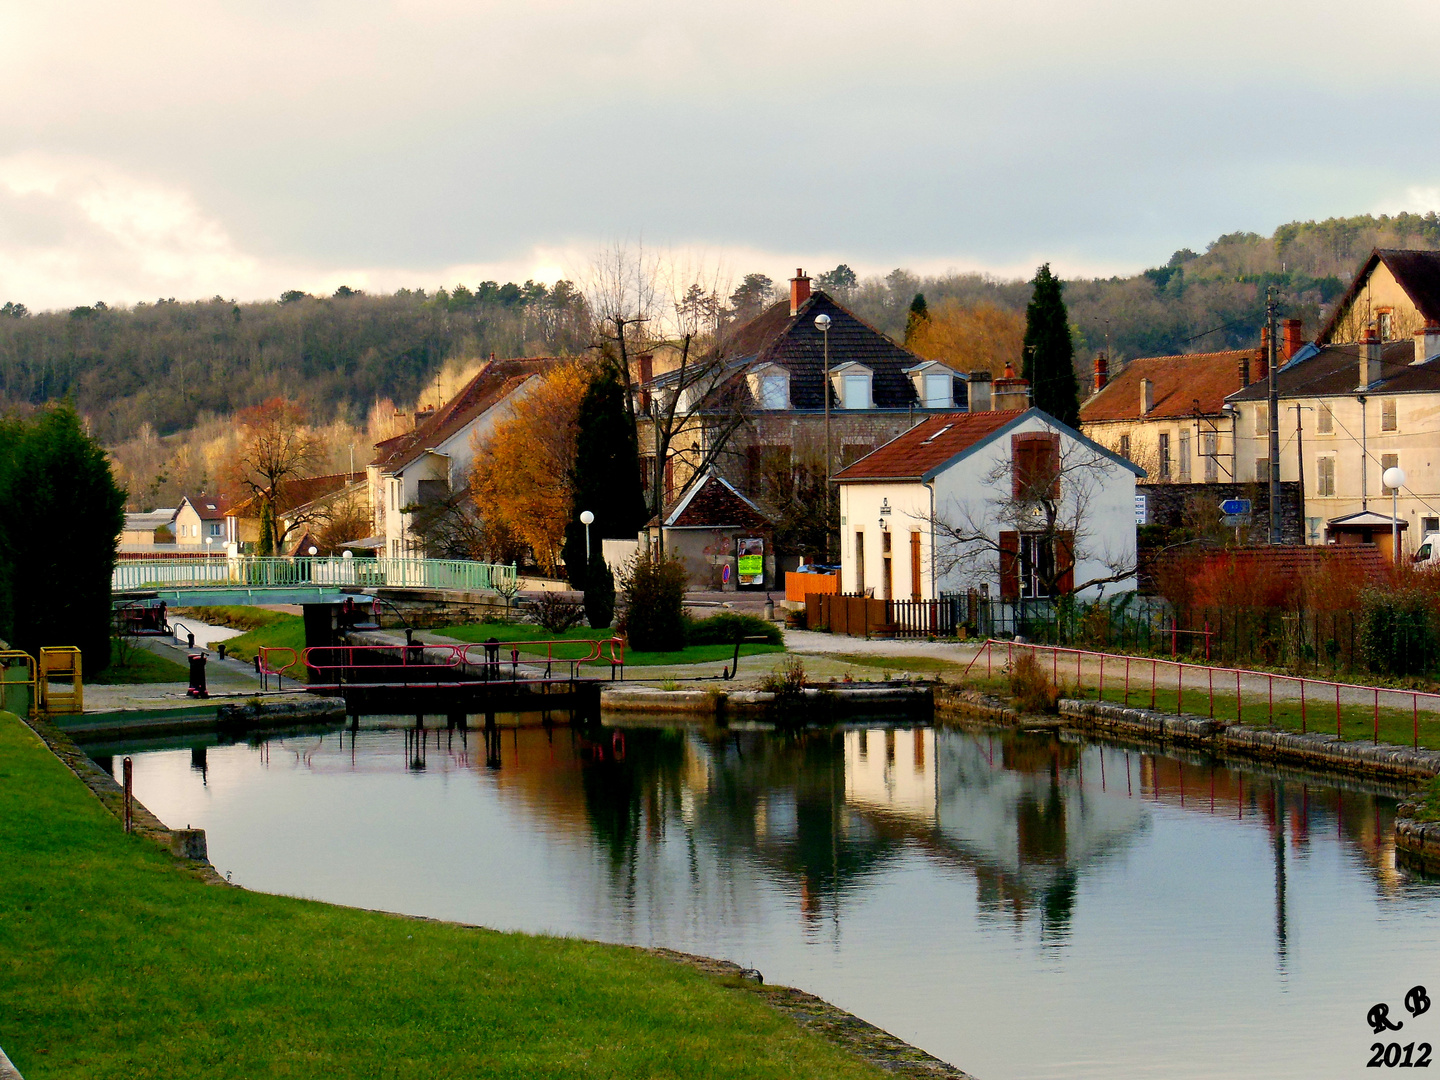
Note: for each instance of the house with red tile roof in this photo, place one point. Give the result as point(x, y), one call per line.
point(711, 528)
point(1010, 502)
point(305, 504)
point(201, 518)
point(433, 459)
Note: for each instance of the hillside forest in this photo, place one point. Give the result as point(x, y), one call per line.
point(157, 382)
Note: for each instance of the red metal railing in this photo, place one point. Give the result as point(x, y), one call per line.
point(1207, 672)
point(333, 665)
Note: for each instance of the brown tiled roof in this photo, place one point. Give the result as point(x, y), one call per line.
point(209, 507)
point(1417, 272)
point(793, 342)
point(1334, 371)
point(929, 444)
point(1181, 384)
point(712, 503)
point(298, 492)
point(492, 384)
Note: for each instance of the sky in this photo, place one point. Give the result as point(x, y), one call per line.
point(242, 149)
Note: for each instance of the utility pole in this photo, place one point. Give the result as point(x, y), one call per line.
point(822, 321)
point(1274, 418)
point(1300, 469)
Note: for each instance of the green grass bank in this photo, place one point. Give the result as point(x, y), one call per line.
point(117, 962)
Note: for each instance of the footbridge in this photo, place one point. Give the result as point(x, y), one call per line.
point(253, 579)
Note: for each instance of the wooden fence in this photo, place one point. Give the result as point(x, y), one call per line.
point(865, 616)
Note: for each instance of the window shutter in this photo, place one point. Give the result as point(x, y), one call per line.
point(1065, 556)
point(1009, 566)
point(1035, 458)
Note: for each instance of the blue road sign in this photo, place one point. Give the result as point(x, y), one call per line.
point(1234, 507)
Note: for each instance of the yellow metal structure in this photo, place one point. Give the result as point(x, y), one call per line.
point(17, 682)
point(60, 664)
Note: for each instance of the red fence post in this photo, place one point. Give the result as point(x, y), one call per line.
point(1101, 694)
point(1210, 671)
point(1127, 682)
point(1239, 709)
point(1272, 701)
point(1302, 706)
point(1154, 667)
point(1338, 733)
point(1415, 717)
point(1377, 716)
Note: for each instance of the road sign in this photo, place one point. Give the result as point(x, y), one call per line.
point(1142, 510)
point(1231, 521)
point(1235, 507)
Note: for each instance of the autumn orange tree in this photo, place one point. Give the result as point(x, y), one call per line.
point(978, 338)
point(277, 445)
point(522, 477)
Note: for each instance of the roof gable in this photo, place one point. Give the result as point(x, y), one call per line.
point(712, 502)
point(1416, 272)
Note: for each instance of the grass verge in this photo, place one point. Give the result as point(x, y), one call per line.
point(140, 666)
point(279, 631)
point(522, 632)
point(235, 616)
point(116, 962)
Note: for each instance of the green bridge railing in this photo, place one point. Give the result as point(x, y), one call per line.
point(253, 571)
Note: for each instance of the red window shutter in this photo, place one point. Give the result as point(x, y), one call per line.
point(1065, 557)
point(1021, 465)
point(1035, 459)
point(1048, 461)
point(1009, 566)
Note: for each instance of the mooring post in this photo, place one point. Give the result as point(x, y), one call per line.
point(129, 805)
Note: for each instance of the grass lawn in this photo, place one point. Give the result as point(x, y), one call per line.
point(140, 666)
point(278, 630)
point(115, 962)
point(521, 632)
point(236, 616)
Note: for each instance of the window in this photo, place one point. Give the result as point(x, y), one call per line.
point(1262, 470)
point(1262, 419)
point(1387, 414)
point(1210, 444)
point(857, 391)
point(1325, 476)
point(1125, 447)
point(1165, 455)
point(1030, 565)
point(1325, 419)
point(1385, 325)
point(939, 391)
point(774, 392)
point(212, 529)
point(1387, 461)
point(853, 452)
point(1184, 457)
point(1429, 525)
point(1035, 466)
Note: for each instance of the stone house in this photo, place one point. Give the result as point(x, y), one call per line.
point(202, 518)
point(718, 533)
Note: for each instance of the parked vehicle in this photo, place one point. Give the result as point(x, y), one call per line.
point(1427, 555)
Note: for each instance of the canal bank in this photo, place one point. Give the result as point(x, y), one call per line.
point(201, 979)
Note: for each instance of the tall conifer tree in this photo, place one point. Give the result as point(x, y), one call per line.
point(606, 475)
point(919, 312)
point(1049, 356)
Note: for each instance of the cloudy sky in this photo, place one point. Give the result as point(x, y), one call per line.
point(188, 149)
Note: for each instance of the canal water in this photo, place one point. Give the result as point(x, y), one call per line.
point(1019, 904)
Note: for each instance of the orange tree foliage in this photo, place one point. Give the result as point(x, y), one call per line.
point(979, 338)
point(521, 480)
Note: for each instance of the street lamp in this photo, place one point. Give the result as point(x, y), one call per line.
point(587, 519)
point(822, 323)
point(314, 550)
point(1394, 479)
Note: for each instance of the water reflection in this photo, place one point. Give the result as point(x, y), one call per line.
point(867, 864)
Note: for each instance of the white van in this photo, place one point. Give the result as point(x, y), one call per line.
point(1427, 555)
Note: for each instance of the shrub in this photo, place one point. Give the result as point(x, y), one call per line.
point(1031, 686)
point(1398, 631)
point(787, 680)
point(724, 627)
point(599, 594)
point(557, 614)
point(654, 615)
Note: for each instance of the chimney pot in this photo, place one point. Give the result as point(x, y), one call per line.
point(1369, 351)
point(1262, 356)
point(980, 398)
point(1147, 397)
point(799, 290)
point(1244, 373)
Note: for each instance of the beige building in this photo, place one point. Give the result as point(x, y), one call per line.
point(200, 523)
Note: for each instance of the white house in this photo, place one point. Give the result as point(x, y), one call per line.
point(434, 459)
point(1013, 501)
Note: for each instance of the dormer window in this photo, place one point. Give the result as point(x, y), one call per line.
point(770, 387)
point(852, 384)
point(934, 385)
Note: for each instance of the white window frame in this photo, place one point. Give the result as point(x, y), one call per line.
point(840, 381)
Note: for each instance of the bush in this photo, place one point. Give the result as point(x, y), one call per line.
point(654, 618)
point(724, 627)
point(557, 614)
point(1031, 686)
point(1398, 631)
point(786, 681)
point(599, 594)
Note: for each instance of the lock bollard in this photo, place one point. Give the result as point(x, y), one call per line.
point(197, 677)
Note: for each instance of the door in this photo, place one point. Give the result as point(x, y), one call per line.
point(887, 574)
point(860, 563)
point(915, 566)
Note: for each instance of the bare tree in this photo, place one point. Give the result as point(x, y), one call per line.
point(1038, 526)
point(276, 447)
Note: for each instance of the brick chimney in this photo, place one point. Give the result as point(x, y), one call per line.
point(1147, 397)
point(799, 290)
point(1009, 391)
point(1369, 359)
point(1292, 340)
point(1244, 372)
point(1102, 371)
point(1427, 344)
point(1262, 357)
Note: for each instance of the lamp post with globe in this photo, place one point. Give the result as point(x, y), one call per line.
point(587, 519)
point(822, 323)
